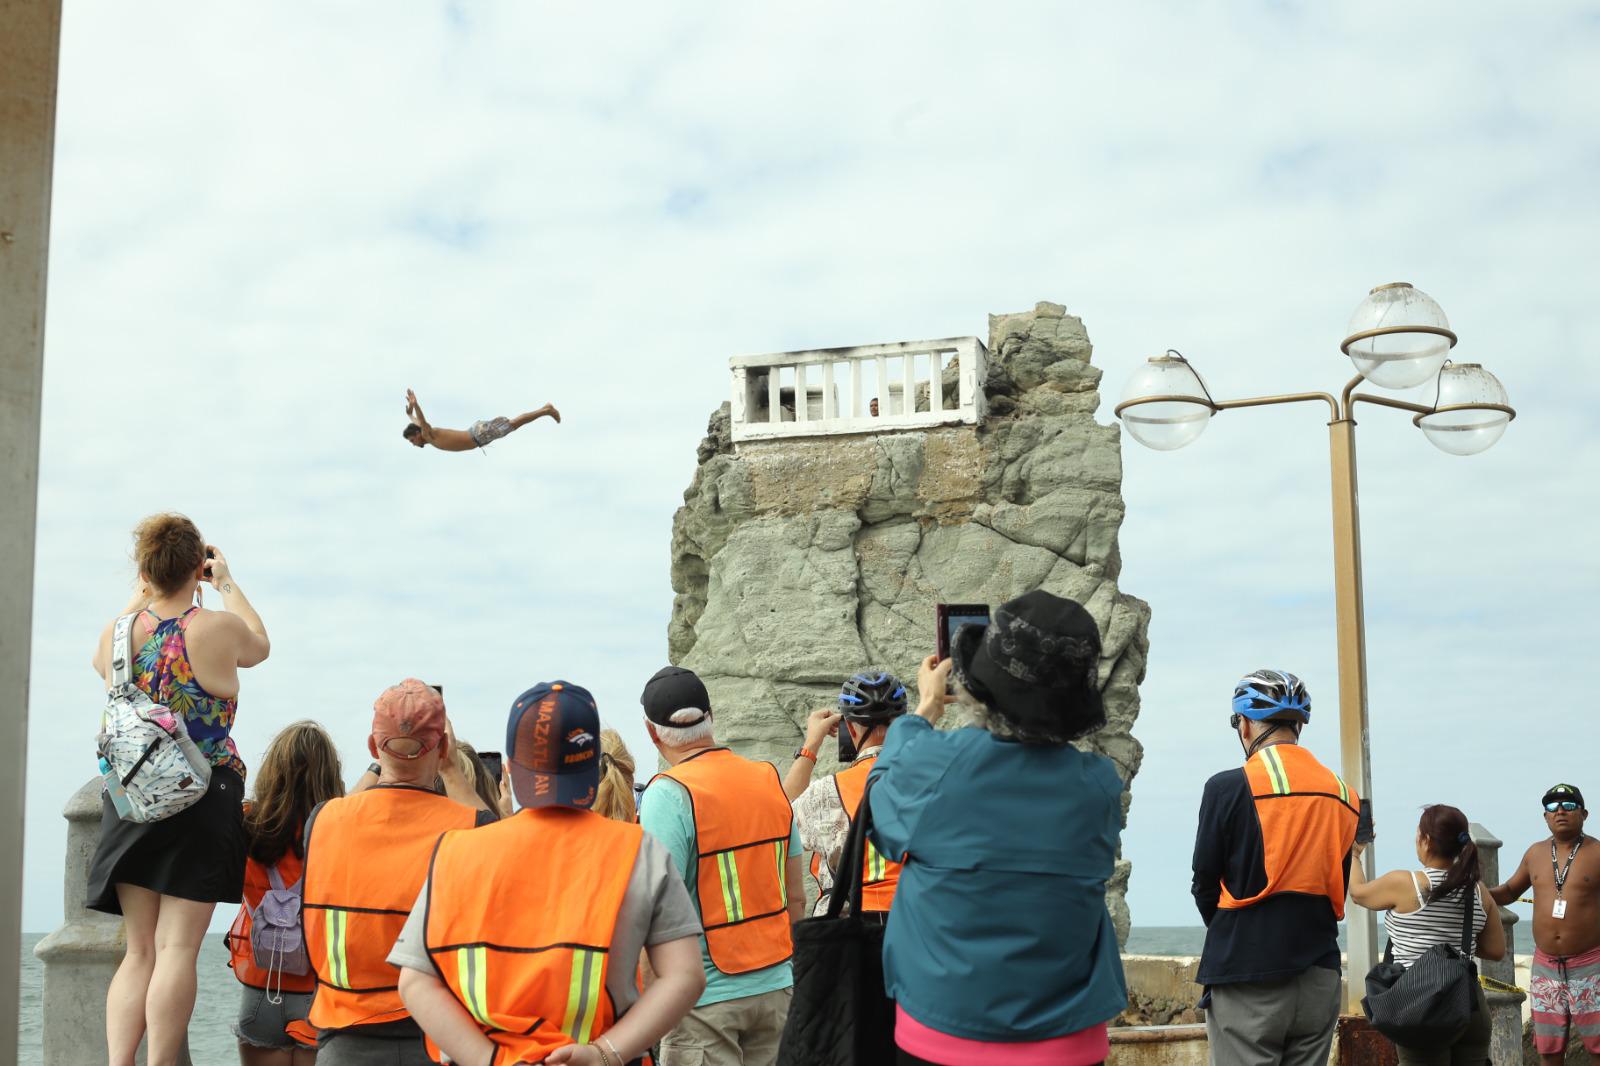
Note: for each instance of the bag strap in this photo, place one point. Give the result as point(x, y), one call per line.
point(852, 866)
point(273, 879)
point(122, 652)
point(1469, 895)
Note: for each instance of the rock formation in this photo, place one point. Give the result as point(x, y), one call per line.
point(796, 562)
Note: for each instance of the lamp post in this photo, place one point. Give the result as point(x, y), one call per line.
point(1398, 339)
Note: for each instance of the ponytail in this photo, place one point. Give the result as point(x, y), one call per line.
point(614, 797)
point(1445, 829)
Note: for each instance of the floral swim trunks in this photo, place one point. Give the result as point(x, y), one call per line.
point(1561, 991)
point(483, 432)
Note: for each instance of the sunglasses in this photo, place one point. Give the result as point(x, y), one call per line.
point(1233, 721)
point(1560, 805)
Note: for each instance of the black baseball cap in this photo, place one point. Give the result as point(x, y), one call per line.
point(1564, 792)
point(675, 689)
point(553, 746)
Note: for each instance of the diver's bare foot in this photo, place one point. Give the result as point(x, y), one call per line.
point(549, 409)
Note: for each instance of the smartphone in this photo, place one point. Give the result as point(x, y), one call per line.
point(1365, 833)
point(951, 617)
point(492, 762)
point(847, 746)
point(210, 554)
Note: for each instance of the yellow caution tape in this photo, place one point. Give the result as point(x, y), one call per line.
point(1491, 985)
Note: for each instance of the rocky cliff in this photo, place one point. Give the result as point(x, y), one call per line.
point(798, 562)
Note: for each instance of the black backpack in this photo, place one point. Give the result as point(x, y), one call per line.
point(1428, 1004)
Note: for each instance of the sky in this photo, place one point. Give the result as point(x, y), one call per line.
point(269, 223)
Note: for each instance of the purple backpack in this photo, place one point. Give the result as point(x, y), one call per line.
point(277, 939)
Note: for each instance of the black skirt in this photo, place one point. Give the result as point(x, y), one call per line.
point(196, 854)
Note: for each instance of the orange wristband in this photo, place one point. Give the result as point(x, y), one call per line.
point(806, 753)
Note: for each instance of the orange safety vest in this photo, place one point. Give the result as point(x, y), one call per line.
point(881, 875)
point(1308, 823)
point(365, 862)
point(742, 823)
point(519, 920)
point(243, 959)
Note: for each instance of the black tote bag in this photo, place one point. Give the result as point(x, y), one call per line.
point(1429, 1003)
point(840, 1014)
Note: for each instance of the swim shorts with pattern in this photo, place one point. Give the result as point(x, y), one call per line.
point(489, 430)
point(1563, 990)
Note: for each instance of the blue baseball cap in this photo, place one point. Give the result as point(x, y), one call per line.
point(553, 746)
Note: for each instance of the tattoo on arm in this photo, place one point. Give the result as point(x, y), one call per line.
point(227, 586)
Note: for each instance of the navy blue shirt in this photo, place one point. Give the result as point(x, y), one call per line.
point(999, 929)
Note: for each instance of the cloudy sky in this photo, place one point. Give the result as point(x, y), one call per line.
point(269, 223)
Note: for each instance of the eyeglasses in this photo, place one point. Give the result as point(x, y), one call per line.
point(1560, 805)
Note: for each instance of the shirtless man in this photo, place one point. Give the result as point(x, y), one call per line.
point(480, 434)
point(1564, 872)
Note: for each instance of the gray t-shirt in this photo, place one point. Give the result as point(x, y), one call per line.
point(655, 909)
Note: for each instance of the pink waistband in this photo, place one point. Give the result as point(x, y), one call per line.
point(1588, 958)
point(1075, 1049)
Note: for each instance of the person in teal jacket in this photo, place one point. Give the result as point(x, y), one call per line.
point(999, 947)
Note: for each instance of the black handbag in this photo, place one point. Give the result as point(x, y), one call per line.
point(840, 1014)
point(1429, 1003)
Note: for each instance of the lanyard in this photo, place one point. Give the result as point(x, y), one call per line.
point(1561, 872)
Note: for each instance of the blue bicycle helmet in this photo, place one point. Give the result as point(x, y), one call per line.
point(872, 696)
point(1272, 694)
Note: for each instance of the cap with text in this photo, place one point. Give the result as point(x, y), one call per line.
point(553, 746)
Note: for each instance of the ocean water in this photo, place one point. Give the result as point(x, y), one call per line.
point(217, 1000)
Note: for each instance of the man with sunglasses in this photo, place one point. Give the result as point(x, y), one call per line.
point(1271, 872)
point(1564, 873)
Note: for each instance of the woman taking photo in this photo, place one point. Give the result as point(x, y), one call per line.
point(1426, 908)
point(299, 771)
point(174, 872)
point(999, 949)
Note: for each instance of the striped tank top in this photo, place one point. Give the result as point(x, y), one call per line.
point(1433, 923)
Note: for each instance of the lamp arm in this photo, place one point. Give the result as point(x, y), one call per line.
point(1293, 397)
point(1384, 401)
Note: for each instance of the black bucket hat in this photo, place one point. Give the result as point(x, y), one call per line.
point(1035, 665)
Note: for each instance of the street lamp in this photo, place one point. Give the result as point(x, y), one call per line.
point(1398, 338)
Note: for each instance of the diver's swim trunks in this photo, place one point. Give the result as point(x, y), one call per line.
point(491, 430)
point(1564, 990)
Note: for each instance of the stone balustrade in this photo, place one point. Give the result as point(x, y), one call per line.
point(916, 385)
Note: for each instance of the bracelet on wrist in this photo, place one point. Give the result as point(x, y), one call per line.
point(614, 1052)
point(806, 753)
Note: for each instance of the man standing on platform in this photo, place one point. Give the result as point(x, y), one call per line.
point(1564, 872)
point(728, 825)
point(1271, 872)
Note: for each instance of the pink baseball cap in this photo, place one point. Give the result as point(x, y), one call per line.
point(410, 711)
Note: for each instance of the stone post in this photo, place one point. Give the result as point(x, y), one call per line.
point(80, 957)
point(1505, 1008)
point(29, 47)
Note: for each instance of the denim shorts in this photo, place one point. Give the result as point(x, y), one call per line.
point(261, 1022)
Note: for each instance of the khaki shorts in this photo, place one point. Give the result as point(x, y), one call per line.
point(736, 1032)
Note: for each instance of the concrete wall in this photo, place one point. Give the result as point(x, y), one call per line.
point(30, 33)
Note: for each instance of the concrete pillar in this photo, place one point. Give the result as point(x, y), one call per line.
point(82, 955)
point(29, 47)
point(1505, 1008)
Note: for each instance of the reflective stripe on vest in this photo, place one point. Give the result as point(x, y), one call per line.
point(742, 823)
point(365, 862)
point(524, 945)
point(1308, 823)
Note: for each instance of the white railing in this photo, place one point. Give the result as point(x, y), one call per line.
point(841, 387)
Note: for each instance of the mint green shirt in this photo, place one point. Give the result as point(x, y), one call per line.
point(666, 814)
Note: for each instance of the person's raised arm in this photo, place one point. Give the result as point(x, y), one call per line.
point(819, 726)
point(457, 785)
point(1511, 890)
point(679, 980)
point(1492, 941)
point(253, 644)
point(1383, 893)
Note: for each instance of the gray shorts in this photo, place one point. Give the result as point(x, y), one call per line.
point(353, 1049)
point(261, 1022)
point(483, 432)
